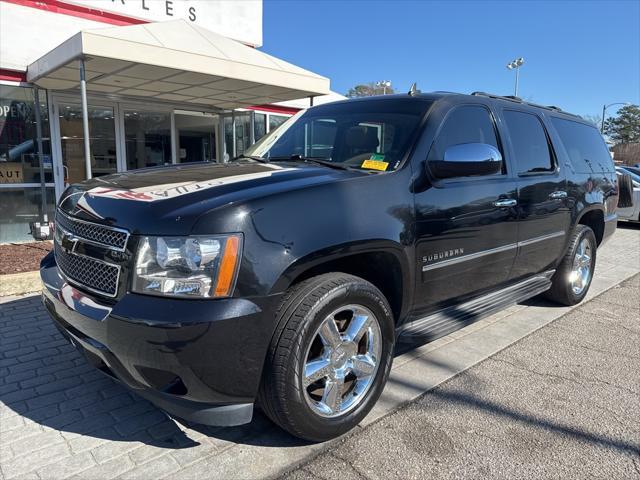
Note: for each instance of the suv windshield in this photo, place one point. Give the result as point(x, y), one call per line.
point(370, 135)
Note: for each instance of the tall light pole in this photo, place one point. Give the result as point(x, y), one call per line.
point(384, 84)
point(604, 109)
point(516, 64)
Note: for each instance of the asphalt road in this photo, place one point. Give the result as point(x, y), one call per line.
point(561, 403)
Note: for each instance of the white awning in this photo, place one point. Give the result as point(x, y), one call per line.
point(174, 61)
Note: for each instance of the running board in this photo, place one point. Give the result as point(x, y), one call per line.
point(455, 317)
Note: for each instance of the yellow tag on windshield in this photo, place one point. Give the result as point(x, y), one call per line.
point(375, 165)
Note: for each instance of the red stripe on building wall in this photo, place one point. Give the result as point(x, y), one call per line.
point(275, 109)
point(12, 75)
point(56, 6)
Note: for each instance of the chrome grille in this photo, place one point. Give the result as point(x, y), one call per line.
point(94, 233)
point(93, 274)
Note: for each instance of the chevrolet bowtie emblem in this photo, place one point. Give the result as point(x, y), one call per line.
point(68, 242)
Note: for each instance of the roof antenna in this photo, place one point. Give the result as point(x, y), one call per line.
point(413, 90)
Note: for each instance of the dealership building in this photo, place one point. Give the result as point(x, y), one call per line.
point(153, 82)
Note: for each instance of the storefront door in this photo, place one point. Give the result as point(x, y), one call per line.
point(196, 136)
point(148, 136)
point(26, 173)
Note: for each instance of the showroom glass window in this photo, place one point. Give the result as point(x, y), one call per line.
point(243, 132)
point(102, 141)
point(148, 138)
point(260, 126)
point(21, 192)
point(276, 120)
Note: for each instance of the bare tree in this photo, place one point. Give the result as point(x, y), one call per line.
point(595, 120)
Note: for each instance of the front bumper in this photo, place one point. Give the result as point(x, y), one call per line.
point(200, 360)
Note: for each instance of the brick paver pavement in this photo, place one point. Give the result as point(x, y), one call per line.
point(59, 418)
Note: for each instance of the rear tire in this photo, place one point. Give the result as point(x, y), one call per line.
point(353, 359)
point(573, 276)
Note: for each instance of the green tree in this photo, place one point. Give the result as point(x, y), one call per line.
point(368, 90)
point(625, 128)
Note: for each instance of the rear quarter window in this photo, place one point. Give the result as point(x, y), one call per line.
point(584, 145)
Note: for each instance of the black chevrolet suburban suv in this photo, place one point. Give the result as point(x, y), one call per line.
point(287, 277)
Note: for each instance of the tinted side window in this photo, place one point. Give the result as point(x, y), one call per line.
point(466, 124)
point(529, 141)
point(584, 145)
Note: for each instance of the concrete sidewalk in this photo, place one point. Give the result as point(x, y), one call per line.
point(562, 403)
point(59, 418)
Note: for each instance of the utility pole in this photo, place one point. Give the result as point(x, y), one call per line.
point(604, 110)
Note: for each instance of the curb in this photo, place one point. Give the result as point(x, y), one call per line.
point(20, 283)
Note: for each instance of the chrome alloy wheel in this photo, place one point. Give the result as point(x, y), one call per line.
point(342, 360)
point(581, 272)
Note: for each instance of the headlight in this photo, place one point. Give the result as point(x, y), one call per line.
point(194, 267)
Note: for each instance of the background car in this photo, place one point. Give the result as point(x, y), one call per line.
point(630, 213)
point(635, 169)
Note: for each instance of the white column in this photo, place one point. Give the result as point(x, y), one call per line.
point(233, 133)
point(85, 120)
point(43, 184)
point(220, 143)
point(174, 139)
point(252, 126)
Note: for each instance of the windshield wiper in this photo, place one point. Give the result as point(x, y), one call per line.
point(316, 160)
point(252, 157)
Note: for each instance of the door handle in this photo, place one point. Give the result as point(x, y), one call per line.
point(560, 194)
point(505, 202)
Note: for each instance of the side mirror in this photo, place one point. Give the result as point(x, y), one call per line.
point(467, 160)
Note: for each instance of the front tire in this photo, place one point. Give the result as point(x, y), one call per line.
point(329, 358)
point(573, 276)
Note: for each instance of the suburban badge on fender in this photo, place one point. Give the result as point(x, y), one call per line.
point(442, 255)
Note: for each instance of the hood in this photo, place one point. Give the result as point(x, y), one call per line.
point(169, 200)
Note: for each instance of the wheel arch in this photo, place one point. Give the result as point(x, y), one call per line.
point(594, 219)
point(382, 263)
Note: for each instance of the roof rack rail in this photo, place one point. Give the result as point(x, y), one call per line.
point(513, 98)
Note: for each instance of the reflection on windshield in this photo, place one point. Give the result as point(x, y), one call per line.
point(370, 135)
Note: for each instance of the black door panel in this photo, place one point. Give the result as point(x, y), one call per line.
point(465, 241)
point(543, 224)
point(466, 244)
point(543, 215)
